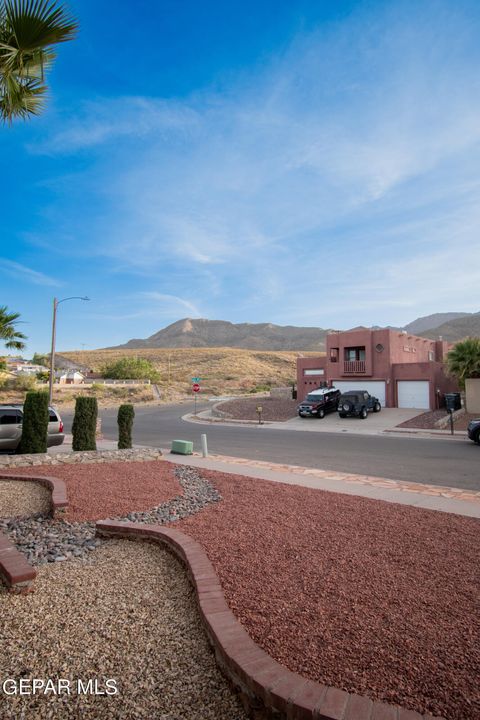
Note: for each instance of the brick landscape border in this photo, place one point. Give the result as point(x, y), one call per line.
point(57, 487)
point(266, 687)
point(15, 571)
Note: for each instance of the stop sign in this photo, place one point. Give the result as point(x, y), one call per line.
point(196, 387)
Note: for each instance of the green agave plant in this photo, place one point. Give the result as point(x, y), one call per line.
point(28, 30)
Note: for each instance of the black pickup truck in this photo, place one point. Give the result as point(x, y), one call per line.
point(357, 403)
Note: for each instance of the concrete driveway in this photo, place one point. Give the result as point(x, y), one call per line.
point(375, 423)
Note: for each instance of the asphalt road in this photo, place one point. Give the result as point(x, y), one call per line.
point(441, 461)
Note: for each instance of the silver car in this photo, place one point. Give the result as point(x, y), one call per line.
point(11, 418)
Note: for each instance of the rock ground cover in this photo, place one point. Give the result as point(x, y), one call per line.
point(111, 489)
point(275, 409)
point(44, 540)
point(427, 420)
point(375, 598)
point(127, 613)
point(371, 597)
point(18, 499)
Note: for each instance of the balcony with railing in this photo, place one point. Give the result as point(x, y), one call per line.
point(354, 367)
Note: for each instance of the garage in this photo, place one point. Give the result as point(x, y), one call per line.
point(374, 387)
point(413, 394)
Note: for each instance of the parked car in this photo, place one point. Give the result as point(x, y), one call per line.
point(473, 430)
point(357, 403)
point(319, 402)
point(11, 418)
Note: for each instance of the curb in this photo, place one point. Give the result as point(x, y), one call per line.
point(15, 571)
point(266, 687)
point(56, 486)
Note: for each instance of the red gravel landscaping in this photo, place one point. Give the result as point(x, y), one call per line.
point(371, 597)
point(98, 491)
point(273, 409)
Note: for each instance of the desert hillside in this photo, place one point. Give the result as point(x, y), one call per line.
point(223, 370)
point(201, 333)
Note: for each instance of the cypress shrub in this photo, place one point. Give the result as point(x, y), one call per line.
point(85, 424)
point(126, 413)
point(35, 423)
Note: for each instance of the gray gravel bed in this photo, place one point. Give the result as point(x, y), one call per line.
point(44, 540)
point(23, 498)
point(127, 614)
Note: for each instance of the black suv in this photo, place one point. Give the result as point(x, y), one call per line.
point(473, 430)
point(319, 402)
point(357, 403)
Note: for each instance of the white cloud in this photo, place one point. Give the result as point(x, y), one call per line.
point(358, 146)
point(26, 274)
point(161, 298)
point(107, 119)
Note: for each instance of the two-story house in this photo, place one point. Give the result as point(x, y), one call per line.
point(402, 370)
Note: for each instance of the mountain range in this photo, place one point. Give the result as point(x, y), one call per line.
point(198, 332)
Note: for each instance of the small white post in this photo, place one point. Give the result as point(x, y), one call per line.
point(204, 446)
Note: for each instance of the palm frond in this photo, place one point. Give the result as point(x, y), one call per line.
point(33, 24)
point(28, 29)
point(21, 98)
point(11, 337)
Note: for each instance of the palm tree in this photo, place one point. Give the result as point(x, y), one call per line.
point(10, 336)
point(463, 360)
point(28, 29)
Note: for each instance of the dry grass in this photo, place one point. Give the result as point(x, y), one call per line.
point(106, 395)
point(223, 370)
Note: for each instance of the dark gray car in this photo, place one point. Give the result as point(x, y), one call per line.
point(357, 403)
point(11, 418)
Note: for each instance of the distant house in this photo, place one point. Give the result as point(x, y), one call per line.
point(29, 369)
point(69, 377)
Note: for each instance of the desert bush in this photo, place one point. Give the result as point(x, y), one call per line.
point(126, 413)
point(131, 369)
point(35, 423)
point(85, 423)
point(40, 359)
point(22, 382)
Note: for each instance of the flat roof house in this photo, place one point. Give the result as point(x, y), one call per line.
point(402, 370)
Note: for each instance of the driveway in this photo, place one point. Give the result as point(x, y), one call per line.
point(375, 423)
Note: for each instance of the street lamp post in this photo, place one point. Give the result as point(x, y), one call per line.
point(56, 303)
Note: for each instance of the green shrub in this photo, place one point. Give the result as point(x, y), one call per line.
point(23, 382)
point(131, 369)
point(126, 413)
point(35, 423)
point(85, 423)
point(40, 359)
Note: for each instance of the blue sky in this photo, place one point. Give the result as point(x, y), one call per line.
point(307, 163)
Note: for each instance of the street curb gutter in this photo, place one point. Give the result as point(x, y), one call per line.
point(266, 688)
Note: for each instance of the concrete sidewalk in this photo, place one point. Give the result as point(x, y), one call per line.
point(429, 497)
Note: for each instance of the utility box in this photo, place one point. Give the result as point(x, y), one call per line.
point(182, 447)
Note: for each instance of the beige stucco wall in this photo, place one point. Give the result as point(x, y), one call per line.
point(472, 395)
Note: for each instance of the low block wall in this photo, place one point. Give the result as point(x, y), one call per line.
point(15, 571)
point(472, 395)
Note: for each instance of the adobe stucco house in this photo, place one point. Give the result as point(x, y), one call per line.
point(401, 370)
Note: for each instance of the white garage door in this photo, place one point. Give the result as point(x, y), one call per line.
point(414, 394)
point(374, 387)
